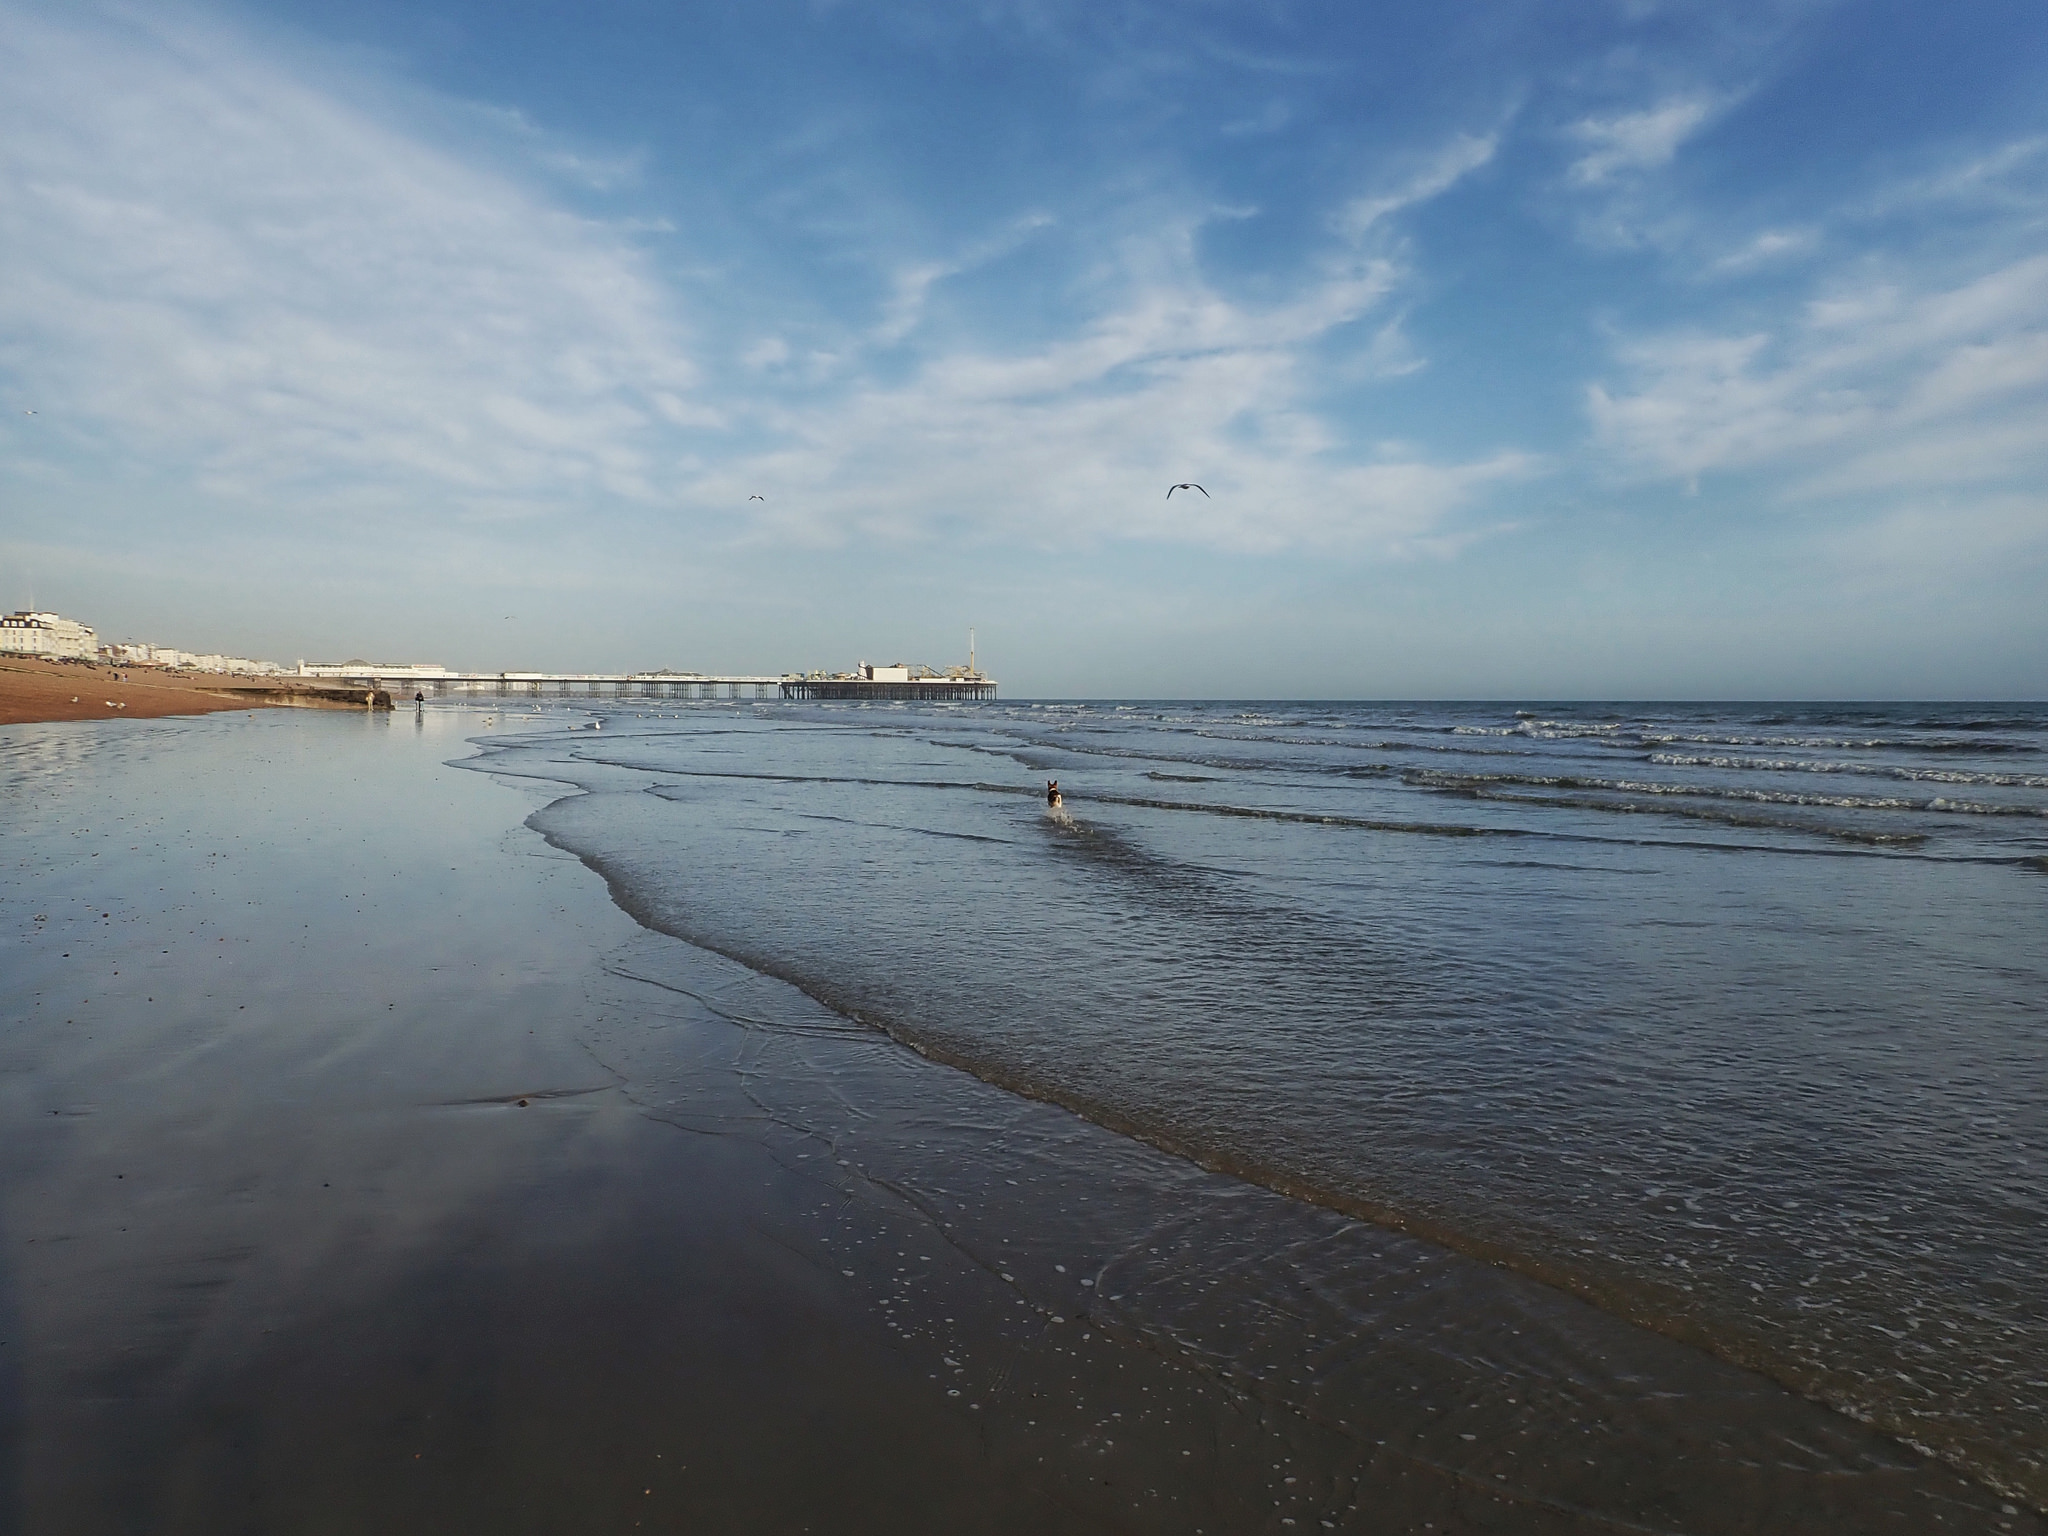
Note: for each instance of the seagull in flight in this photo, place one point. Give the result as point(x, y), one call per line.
point(757, 496)
point(1186, 485)
point(30, 413)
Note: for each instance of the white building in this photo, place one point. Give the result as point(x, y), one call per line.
point(241, 666)
point(139, 653)
point(47, 634)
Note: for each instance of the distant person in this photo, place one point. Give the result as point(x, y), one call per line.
point(419, 702)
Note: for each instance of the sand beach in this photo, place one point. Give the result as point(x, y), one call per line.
point(33, 688)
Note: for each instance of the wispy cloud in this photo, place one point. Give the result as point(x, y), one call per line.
point(1620, 195)
point(1438, 172)
point(1636, 141)
point(207, 261)
point(2009, 177)
point(1075, 440)
point(218, 267)
point(1874, 390)
point(1766, 248)
point(913, 284)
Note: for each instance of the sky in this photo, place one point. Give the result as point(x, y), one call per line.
point(1562, 350)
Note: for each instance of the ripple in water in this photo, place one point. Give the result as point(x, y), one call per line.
point(1760, 1067)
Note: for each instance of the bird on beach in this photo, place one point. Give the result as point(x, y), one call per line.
point(1185, 485)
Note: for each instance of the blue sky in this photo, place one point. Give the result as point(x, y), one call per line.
point(1565, 350)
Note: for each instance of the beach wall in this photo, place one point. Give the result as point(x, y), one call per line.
point(287, 697)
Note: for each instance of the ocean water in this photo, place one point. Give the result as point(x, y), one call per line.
point(1731, 1019)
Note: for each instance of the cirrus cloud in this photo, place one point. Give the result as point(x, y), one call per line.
point(1636, 141)
point(1870, 389)
point(268, 285)
point(219, 267)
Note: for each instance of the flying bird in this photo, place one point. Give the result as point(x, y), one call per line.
point(757, 497)
point(1185, 485)
point(29, 413)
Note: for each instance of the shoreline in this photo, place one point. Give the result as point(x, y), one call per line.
point(37, 690)
point(400, 1176)
point(619, 825)
point(1744, 1344)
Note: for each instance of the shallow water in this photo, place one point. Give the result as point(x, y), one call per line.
point(1729, 1018)
point(365, 1166)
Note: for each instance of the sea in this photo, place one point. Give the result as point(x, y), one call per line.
point(1729, 1019)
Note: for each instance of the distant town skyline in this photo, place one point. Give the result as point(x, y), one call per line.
point(1630, 350)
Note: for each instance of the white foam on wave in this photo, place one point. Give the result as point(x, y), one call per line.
point(1435, 778)
point(1832, 743)
point(1872, 770)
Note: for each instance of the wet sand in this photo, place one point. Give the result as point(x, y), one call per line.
point(368, 1169)
point(33, 689)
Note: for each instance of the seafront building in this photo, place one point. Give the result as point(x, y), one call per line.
point(213, 661)
point(28, 633)
point(138, 653)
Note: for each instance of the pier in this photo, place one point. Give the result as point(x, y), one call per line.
point(894, 683)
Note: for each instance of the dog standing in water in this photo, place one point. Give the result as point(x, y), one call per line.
point(1056, 806)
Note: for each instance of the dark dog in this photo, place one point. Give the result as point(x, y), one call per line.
point(1052, 794)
